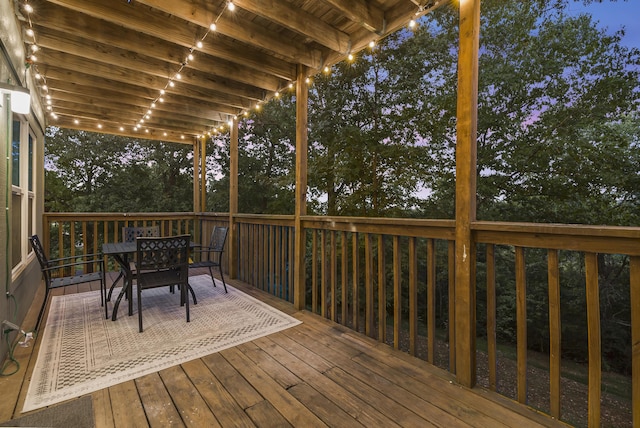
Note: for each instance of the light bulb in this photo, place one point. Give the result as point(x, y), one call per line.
point(38, 76)
point(350, 57)
point(232, 6)
point(28, 8)
point(76, 121)
point(190, 57)
point(327, 69)
point(99, 126)
point(161, 99)
point(30, 32)
point(162, 91)
point(412, 23)
point(121, 128)
point(45, 88)
point(34, 48)
point(212, 27)
point(199, 44)
point(178, 76)
point(372, 44)
point(171, 83)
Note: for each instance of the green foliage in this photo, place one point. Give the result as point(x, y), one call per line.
point(88, 172)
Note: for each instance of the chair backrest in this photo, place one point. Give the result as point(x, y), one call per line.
point(130, 233)
point(161, 253)
point(218, 238)
point(38, 249)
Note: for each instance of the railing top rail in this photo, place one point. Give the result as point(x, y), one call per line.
point(558, 229)
point(100, 215)
point(595, 239)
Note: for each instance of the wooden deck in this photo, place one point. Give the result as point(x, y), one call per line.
point(315, 374)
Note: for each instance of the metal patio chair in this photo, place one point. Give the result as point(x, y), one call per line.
point(211, 256)
point(162, 262)
point(65, 271)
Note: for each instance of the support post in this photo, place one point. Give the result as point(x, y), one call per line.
point(196, 175)
point(203, 175)
point(232, 237)
point(302, 113)
point(466, 159)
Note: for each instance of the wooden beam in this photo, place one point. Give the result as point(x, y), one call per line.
point(203, 14)
point(466, 160)
point(156, 24)
point(114, 129)
point(362, 12)
point(302, 114)
point(211, 78)
point(89, 42)
point(299, 21)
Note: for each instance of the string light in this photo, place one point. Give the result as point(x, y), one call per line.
point(34, 47)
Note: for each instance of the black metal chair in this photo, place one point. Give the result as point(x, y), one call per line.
point(129, 234)
point(162, 262)
point(65, 271)
point(211, 255)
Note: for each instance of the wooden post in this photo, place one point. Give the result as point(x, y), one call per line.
point(467, 117)
point(203, 175)
point(196, 175)
point(302, 99)
point(232, 237)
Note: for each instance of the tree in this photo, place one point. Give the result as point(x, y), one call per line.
point(89, 172)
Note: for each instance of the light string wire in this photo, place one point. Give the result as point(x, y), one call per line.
point(229, 5)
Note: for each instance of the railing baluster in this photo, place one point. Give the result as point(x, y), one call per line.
point(593, 328)
point(323, 273)
point(334, 274)
point(368, 286)
point(431, 300)
point(521, 324)
point(413, 296)
point(452, 300)
point(355, 279)
point(491, 317)
point(314, 271)
point(382, 292)
point(344, 248)
point(555, 330)
point(397, 292)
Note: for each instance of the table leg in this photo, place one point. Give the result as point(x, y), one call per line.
point(127, 286)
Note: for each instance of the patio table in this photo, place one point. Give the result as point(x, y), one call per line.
point(120, 251)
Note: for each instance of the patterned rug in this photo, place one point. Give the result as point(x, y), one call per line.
point(82, 352)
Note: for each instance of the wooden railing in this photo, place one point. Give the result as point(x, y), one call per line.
point(265, 252)
point(393, 279)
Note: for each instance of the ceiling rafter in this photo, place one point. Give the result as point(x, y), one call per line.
point(110, 63)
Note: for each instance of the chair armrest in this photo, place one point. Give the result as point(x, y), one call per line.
point(99, 262)
point(94, 256)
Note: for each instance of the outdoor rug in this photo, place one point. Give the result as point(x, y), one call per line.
point(82, 352)
point(76, 413)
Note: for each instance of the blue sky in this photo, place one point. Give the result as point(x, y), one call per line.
point(614, 15)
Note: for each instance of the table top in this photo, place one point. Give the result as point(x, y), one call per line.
point(119, 248)
point(111, 248)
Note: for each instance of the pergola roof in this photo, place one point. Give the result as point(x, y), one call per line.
point(105, 63)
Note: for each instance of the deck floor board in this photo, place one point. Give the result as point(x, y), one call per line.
point(318, 373)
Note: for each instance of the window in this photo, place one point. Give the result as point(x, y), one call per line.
point(23, 201)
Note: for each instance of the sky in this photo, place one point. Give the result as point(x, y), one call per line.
point(614, 15)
